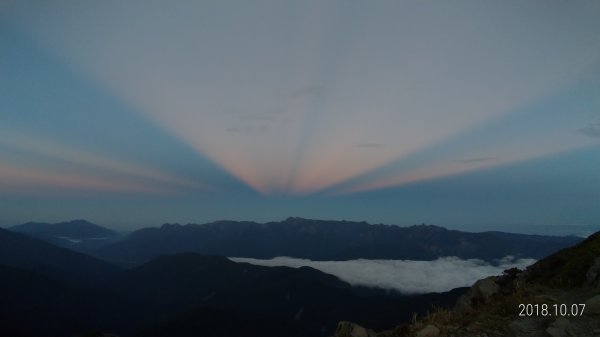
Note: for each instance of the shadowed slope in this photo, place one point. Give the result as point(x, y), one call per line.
point(305, 301)
point(28, 253)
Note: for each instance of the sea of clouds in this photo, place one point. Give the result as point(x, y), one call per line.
point(405, 276)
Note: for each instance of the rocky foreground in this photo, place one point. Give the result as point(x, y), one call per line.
point(513, 304)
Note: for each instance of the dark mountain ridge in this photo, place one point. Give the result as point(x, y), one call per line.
point(51, 291)
point(75, 228)
point(304, 300)
point(24, 252)
point(326, 240)
point(79, 235)
point(35, 304)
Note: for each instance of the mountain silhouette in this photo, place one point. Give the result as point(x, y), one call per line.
point(79, 235)
point(304, 300)
point(326, 240)
point(23, 252)
point(46, 290)
point(51, 291)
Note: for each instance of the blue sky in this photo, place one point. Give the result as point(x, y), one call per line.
point(464, 114)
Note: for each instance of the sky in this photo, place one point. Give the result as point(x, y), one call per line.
point(466, 114)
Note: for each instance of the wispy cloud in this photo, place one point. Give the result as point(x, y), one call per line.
point(256, 118)
point(274, 114)
point(370, 145)
point(476, 160)
point(591, 130)
point(405, 276)
point(257, 123)
point(32, 181)
point(75, 158)
point(307, 91)
point(249, 130)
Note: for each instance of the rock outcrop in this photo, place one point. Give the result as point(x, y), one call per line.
point(480, 293)
point(429, 331)
point(592, 277)
point(493, 307)
point(592, 306)
point(349, 329)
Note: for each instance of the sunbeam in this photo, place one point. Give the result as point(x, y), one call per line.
point(17, 180)
point(220, 90)
point(45, 148)
point(237, 107)
point(521, 135)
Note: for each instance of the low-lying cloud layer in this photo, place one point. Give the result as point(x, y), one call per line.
point(406, 276)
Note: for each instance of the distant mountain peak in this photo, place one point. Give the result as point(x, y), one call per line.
point(296, 219)
point(170, 225)
point(78, 234)
point(324, 240)
point(432, 227)
point(80, 222)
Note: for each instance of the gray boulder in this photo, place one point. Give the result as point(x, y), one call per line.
point(592, 277)
point(349, 329)
point(480, 293)
point(429, 331)
point(592, 306)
